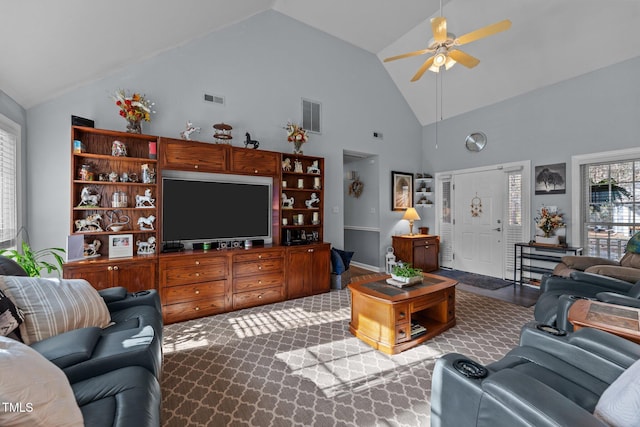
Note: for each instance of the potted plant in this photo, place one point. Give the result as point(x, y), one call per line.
point(404, 273)
point(32, 261)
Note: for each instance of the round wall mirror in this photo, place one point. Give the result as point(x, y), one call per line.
point(476, 141)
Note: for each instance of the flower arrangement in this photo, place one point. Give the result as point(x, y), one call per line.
point(296, 134)
point(134, 108)
point(548, 221)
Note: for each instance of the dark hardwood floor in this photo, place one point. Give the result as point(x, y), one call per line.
point(523, 295)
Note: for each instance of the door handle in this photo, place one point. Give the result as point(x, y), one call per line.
point(497, 229)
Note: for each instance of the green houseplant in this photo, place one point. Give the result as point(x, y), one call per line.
point(33, 262)
point(403, 272)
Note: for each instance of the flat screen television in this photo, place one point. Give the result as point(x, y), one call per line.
point(203, 207)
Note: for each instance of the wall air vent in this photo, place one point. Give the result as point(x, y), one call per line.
point(311, 116)
point(216, 99)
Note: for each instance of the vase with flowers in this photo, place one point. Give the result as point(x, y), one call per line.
point(134, 109)
point(297, 136)
point(548, 222)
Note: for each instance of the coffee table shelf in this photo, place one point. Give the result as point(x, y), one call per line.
point(382, 315)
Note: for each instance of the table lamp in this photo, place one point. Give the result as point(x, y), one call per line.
point(411, 215)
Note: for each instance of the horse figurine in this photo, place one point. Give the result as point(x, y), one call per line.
point(90, 223)
point(287, 203)
point(186, 134)
point(249, 141)
point(91, 249)
point(146, 223)
point(88, 199)
point(286, 165)
point(314, 199)
point(141, 200)
point(148, 247)
point(313, 168)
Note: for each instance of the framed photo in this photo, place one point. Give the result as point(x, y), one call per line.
point(551, 179)
point(120, 245)
point(401, 190)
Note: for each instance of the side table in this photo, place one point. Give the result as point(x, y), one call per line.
point(616, 319)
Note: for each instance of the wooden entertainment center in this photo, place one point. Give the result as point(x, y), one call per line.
point(195, 283)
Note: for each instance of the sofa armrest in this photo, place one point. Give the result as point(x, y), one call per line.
point(581, 263)
point(610, 283)
point(69, 348)
point(613, 298)
point(113, 294)
point(131, 299)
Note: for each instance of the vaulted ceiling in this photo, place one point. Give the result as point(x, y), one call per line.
point(49, 47)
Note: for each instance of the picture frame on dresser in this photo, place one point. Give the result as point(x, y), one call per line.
point(120, 245)
point(401, 190)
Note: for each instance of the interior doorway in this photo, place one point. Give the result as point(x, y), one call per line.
point(361, 201)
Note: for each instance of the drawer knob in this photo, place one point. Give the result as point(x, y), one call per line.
point(426, 246)
point(255, 171)
point(401, 332)
point(259, 282)
point(110, 268)
point(197, 274)
point(309, 250)
point(259, 267)
point(196, 166)
point(260, 296)
point(115, 267)
point(197, 262)
point(259, 256)
point(197, 308)
point(197, 292)
point(402, 315)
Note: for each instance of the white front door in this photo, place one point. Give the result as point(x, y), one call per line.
point(477, 231)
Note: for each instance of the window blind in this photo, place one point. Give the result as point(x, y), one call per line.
point(8, 184)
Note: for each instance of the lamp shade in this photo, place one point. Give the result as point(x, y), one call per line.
point(411, 214)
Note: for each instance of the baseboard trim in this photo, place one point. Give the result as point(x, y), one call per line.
point(367, 267)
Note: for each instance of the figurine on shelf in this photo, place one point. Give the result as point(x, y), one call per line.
point(118, 149)
point(117, 220)
point(87, 198)
point(186, 134)
point(251, 142)
point(91, 249)
point(222, 133)
point(313, 168)
point(286, 165)
point(90, 223)
point(148, 247)
point(145, 201)
point(287, 203)
point(297, 166)
point(146, 223)
point(314, 199)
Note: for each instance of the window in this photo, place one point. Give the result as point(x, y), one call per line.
point(9, 155)
point(611, 207)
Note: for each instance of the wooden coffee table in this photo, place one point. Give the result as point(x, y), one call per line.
point(616, 319)
point(383, 315)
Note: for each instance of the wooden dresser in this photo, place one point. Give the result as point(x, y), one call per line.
point(420, 250)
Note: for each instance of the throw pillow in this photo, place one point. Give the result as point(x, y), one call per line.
point(336, 262)
point(34, 391)
point(633, 245)
point(53, 306)
point(619, 405)
point(346, 257)
point(630, 260)
point(631, 275)
point(10, 316)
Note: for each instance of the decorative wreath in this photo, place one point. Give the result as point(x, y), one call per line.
point(356, 187)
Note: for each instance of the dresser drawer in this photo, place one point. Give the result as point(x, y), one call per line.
point(193, 309)
point(401, 313)
point(259, 267)
point(427, 301)
point(183, 293)
point(259, 281)
point(195, 156)
point(403, 332)
point(253, 298)
point(257, 256)
point(425, 242)
point(193, 270)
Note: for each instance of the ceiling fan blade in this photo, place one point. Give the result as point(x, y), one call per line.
point(439, 28)
point(408, 55)
point(483, 32)
point(464, 58)
point(422, 69)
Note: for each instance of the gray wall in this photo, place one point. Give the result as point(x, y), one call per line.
point(596, 112)
point(12, 110)
point(263, 66)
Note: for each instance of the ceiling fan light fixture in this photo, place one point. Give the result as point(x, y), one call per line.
point(440, 57)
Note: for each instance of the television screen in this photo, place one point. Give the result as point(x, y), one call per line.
point(201, 209)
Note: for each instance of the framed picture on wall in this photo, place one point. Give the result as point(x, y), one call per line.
point(551, 179)
point(401, 190)
point(120, 245)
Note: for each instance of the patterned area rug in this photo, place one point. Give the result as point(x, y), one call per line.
point(295, 363)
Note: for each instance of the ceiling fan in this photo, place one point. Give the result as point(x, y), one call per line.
point(444, 46)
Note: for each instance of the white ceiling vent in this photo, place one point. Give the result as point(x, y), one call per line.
point(311, 116)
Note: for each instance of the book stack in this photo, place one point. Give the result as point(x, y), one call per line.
point(417, 330)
